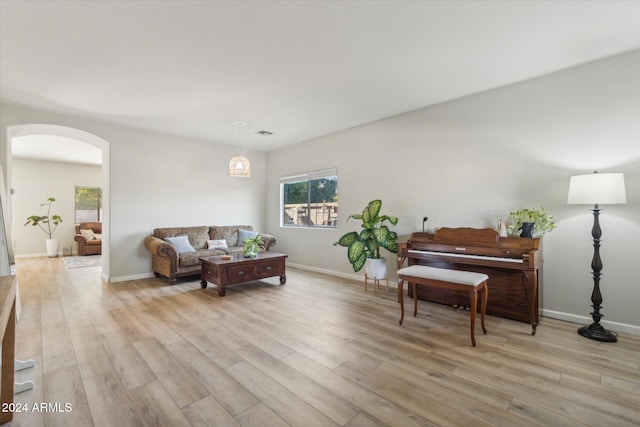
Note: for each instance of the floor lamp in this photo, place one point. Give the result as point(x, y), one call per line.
point(597, 189)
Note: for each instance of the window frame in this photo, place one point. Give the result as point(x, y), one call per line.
point(75, 203)
point(307, 177)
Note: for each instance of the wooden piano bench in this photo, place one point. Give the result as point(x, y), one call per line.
point(466, 281)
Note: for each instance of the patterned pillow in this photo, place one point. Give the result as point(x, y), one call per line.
point(217, 244)
point(181, 244)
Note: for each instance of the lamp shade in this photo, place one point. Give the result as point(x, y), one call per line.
point(597, 189)
point(239, 166)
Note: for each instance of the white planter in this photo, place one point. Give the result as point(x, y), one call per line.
point(376, 268)
point(53, 247)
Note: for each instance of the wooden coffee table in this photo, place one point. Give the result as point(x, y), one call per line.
point(238, 269)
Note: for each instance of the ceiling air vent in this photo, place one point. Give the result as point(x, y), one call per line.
point(265, 132)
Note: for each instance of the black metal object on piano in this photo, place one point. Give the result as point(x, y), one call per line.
point(513, 265)
point(424, 219)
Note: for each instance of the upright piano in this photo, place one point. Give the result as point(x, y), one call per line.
point(513, 265)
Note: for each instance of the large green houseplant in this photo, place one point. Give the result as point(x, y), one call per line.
point(373, 236)
point(530, 222)
point(45, 222)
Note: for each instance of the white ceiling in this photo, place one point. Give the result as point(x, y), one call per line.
point(300, 69)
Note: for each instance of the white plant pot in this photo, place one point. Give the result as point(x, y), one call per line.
point(53, 247)
point(376, 268)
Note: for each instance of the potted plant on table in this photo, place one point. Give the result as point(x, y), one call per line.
point(530, 222)
point(251, 246)
point(45, 222)
point(364, 247)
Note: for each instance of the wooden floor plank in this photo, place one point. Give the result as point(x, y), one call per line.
point(327, 402)
point(64, 400)
point(261, 415)
point(286, 404)
point(110, 405)
point(179, 383)
point(90, 355)
point(207, 412)
point(129, 366)
point(155, 407)
point(229, 393)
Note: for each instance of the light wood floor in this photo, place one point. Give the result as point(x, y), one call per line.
point(318, 351)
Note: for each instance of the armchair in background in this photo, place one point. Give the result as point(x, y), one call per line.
point(89, 238)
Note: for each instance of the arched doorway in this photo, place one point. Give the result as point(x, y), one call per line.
point(84, 137)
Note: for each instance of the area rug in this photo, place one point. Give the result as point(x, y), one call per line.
point(82, 261)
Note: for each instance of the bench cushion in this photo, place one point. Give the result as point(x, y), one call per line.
point(444, 275)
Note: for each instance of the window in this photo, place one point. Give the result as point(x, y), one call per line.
point(310, 199)
point(88, 204)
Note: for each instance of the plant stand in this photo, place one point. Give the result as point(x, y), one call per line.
point(375, 282)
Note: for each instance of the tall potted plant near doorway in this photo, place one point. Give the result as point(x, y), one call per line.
point(45, 222)
point(364, 247)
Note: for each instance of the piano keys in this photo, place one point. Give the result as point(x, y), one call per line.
point(513, 264)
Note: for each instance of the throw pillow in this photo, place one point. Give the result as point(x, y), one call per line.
point(98, 236)
point(245, 234)
point(217, 244)
point(87, 234)
point(181, 244)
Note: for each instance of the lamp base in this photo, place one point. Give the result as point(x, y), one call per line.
point(598, 333)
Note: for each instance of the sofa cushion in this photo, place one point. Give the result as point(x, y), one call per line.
point(229, 233)
point(198, 235)
point(245, 234)
point(188, 259)
point(181, 244)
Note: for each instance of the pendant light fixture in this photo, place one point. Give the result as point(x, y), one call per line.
point(239, 166)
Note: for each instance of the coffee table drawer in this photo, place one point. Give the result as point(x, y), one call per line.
point(268, 269)
point(242, 273)
point(210, 273)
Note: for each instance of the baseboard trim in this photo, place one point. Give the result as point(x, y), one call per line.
point(325, 271)
point(584, 320)
point(42, 255)
point(131, 277)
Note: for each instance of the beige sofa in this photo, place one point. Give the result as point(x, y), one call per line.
point(166, 259)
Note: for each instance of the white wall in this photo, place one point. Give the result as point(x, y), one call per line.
point(155, 180)
point(470, 161)
point(34, 181)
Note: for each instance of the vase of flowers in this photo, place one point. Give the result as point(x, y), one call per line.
point(530, 222)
